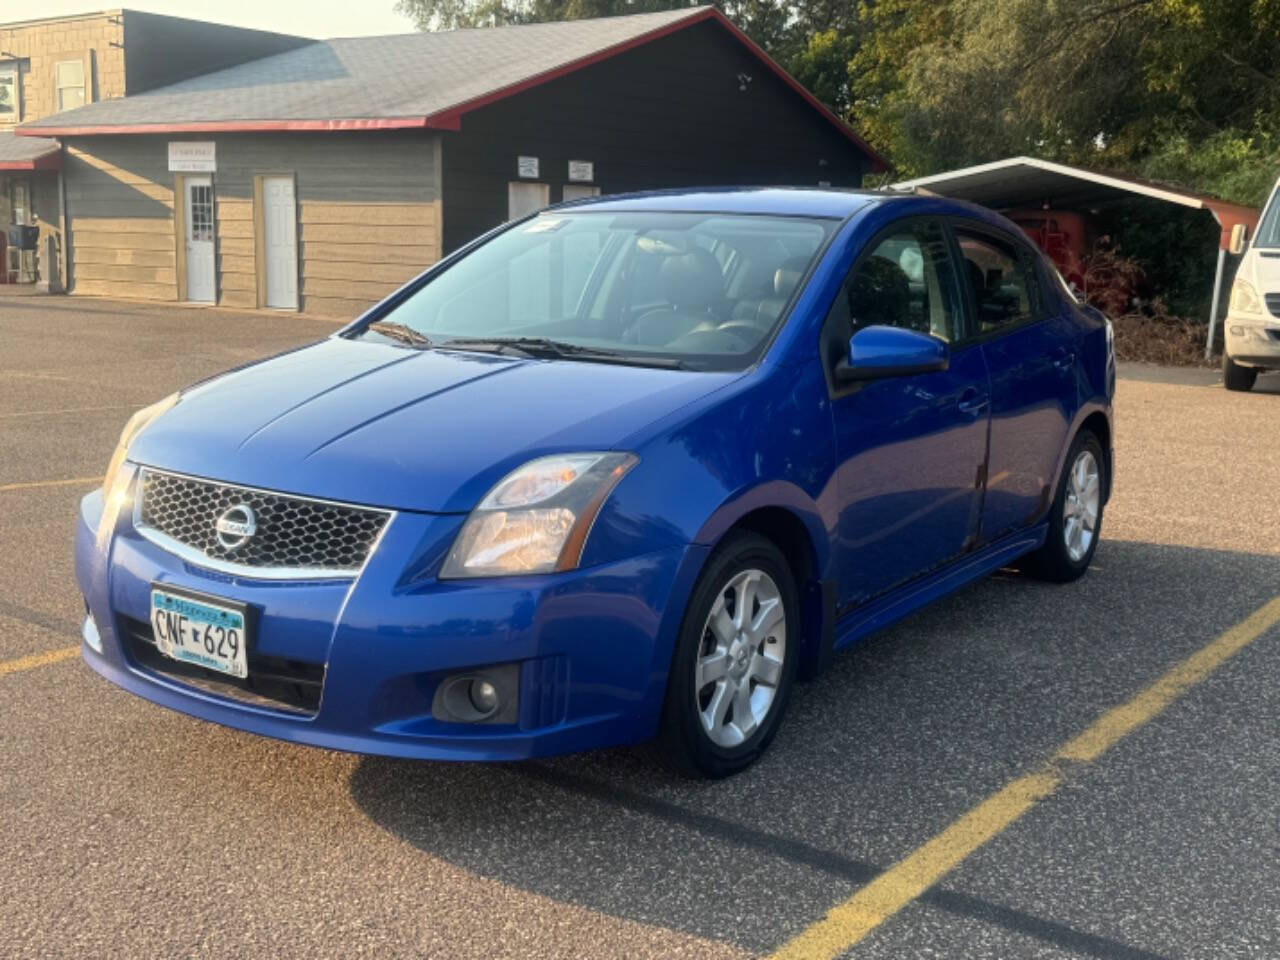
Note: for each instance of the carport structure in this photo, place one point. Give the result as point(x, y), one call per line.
point(1028, 182)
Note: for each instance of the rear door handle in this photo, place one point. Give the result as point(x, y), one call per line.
point(972, 403)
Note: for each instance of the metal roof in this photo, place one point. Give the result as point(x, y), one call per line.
point(28, 153)
point(403, 81)
point(1028, 182)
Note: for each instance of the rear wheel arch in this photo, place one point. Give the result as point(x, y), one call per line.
point(1099, 425)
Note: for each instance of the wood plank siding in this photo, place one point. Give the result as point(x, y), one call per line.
point(666, 114)
point(368, 216)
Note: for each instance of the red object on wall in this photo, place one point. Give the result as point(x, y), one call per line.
point(1061, 234)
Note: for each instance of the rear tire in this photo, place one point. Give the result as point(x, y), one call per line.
point(734, 663)
point(1236, 377)
point(1075, 519)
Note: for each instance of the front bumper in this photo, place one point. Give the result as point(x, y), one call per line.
point(591, 647)
point(1252, 341)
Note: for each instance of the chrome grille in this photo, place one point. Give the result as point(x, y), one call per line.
point(294, 536)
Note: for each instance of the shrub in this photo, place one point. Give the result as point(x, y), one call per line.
point(1145, 329)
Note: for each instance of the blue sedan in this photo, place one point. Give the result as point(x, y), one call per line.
point(625, 469)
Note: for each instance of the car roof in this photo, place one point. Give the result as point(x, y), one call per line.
point(787, 201)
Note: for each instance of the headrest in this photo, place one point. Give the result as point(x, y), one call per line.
point(692, 280)
point(788, 275)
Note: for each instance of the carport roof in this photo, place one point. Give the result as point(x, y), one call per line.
point(29, 153)
point(1022, 182)
point(396, 82)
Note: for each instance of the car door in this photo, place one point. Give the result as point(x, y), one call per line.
point(1030, 350)
point(910, 449)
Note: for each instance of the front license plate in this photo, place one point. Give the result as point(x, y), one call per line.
point(200, 631)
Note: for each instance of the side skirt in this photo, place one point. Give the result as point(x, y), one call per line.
point(910, 597)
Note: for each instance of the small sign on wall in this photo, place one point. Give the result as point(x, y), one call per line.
point(192, 156)
point(581, 171)
point(527, 167)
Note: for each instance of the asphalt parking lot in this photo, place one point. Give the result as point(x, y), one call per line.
point(132, 831)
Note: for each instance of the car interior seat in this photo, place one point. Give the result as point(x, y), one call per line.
point(693, 286)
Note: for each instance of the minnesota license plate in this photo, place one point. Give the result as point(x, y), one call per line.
point(201, 631)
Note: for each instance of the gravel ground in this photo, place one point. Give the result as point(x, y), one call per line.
point(132, 831)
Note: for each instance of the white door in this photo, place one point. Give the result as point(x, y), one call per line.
point(201, 281)
point(524, 198)
point(280, 221)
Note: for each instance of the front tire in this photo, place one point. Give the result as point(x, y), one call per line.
point(1075, 520)
point(1236, 377)
point(735, 660)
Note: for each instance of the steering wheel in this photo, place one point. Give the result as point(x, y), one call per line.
point(748, 333)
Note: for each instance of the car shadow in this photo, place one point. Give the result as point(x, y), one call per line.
point(906, 732)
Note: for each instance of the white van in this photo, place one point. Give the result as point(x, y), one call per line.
point(1252, 335)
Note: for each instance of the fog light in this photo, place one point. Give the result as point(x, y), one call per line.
point(89, 631)
point(489, 694)
point(484, 696)
point(1237, 331)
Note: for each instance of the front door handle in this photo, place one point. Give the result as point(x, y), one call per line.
point(972, 403)
point(1062, 358)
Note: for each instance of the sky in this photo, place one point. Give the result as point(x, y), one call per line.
point(309, 18)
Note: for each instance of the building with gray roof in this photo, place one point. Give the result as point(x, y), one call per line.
point(324, 176)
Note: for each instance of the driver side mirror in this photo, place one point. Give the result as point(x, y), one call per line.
point(1239, 237)
point(877, 352)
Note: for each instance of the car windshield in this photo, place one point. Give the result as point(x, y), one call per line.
point(702, 291)
point(1269, 229)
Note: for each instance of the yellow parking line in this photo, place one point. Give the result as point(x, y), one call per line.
point(37, 660)
point(33, 484)
point(849, 922)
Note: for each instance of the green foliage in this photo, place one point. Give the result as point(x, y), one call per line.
point(1177, 248)
point(1234, 164)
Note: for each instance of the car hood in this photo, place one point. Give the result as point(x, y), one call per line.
point(427, 430)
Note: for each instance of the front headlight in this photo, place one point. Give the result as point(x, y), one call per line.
point(137, 423)
point(1244, 299)
point(537, 518)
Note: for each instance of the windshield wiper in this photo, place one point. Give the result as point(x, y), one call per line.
point(546, 348)
point(400, 332)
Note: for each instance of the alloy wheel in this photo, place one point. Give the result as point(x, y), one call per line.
point(740, 661)
point(1080, 509)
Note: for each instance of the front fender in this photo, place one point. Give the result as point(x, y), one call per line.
point(767, 441)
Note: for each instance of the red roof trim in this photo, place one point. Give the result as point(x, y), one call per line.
point(47, 161)
point(230, 126)
point(450, 119)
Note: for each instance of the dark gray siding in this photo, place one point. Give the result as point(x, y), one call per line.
point(160, 50)
point(666, 114)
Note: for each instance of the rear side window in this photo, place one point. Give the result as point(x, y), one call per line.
point(908, 280)
point(1001, 280)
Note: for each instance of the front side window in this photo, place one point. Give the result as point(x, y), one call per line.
point(703, 290)
point(70, 84)
point(908, 280)
point(1269, 227)
point(1000, 280)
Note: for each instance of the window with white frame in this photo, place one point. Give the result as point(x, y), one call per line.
point(10, 93)
point(70, 77)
